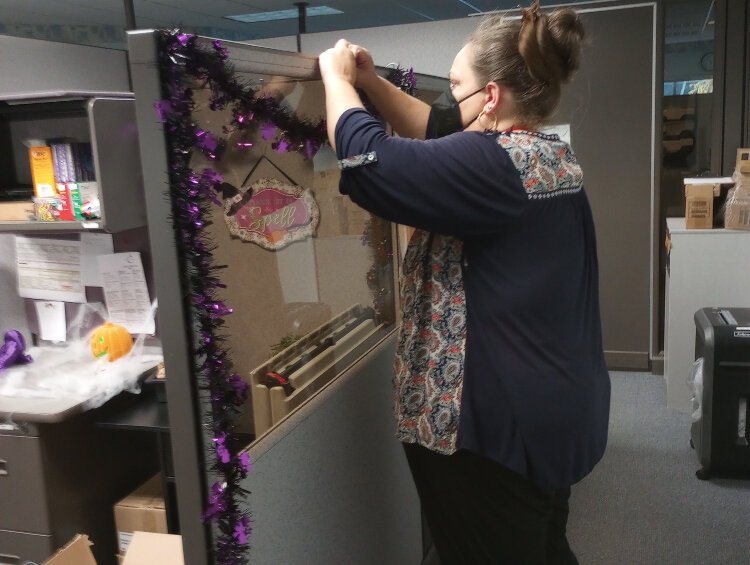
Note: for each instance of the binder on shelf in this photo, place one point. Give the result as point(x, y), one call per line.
point(42, 171)
point(59, 161)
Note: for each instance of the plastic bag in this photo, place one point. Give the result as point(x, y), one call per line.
point(737, 205)
point(695, 382)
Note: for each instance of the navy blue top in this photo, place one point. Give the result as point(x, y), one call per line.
point(536, 389)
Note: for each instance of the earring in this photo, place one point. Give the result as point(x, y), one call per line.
point(481, 115)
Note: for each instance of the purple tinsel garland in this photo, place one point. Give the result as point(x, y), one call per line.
point(184, 60)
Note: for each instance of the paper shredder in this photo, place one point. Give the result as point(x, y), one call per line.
point(720, 435)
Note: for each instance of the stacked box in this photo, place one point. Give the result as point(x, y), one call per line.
point(737, 208)
point(143, 510)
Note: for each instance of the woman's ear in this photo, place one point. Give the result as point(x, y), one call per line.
point(494, 97)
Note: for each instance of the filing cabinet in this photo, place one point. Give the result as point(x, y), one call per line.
point(59, 479)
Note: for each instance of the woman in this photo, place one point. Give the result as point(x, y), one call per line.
point(502, 394)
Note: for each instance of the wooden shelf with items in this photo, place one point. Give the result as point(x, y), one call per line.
point(105, 122)
point(678, 130)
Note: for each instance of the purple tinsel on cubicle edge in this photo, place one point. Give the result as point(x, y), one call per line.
point(183, 60)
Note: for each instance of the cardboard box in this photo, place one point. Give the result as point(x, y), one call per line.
point(699, 204)
point(142, 510)
point(148, 549)
point(743, 161)
point(737, 210)
point(77, 552)
point(22, 211)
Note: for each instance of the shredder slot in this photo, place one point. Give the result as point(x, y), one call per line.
point(727, 318)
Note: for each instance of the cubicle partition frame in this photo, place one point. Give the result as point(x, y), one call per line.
point(635, 348)
point(731, 96)
point(185, 406)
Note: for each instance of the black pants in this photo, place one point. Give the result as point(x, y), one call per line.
point(480, 513)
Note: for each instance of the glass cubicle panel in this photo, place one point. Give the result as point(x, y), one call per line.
point(311, 277)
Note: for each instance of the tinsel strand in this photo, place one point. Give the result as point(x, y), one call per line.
point(184, 61)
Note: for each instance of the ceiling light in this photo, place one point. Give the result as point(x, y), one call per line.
point(283, 14)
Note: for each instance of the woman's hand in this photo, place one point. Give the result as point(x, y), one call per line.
point(339, 71)
point(338, 63)
point(366, 75)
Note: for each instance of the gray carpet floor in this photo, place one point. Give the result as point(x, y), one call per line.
point(643, 505)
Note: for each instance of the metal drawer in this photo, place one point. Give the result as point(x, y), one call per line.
point(23, 497)
point(21, 548)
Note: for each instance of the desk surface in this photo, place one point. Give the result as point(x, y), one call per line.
point(677, 226)
point(43, 410)
point(48, 410)
point(146, 413)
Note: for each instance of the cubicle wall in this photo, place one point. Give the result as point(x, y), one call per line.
point(306, 481)
point(12, 312)
point(330, 483)
point(34, 66)
point(610, 106)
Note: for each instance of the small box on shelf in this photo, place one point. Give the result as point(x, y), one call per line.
point(699, 203)
point(742, 165)
point(737, 208)
point(737, 212)
point(17, 211)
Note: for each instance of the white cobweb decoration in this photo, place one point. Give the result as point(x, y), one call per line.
point(71, 371)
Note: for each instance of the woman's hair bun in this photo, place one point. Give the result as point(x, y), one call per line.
point(567, 33)
point(550, 44)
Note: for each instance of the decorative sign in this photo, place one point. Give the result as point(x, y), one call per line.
point(272, 213)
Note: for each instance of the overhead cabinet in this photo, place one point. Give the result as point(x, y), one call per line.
point(107, 122)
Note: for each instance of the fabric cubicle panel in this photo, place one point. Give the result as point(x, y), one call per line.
point(331, 484)
point(610, 107)
point(12, 308)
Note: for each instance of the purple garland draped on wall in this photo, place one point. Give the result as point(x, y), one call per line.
point(187, 61)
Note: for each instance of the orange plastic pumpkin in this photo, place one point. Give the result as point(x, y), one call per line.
point(112, 340)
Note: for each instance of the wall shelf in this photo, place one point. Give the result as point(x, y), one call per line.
point(50, 227)
point(108, 123)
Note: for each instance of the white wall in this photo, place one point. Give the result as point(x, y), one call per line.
point(287, 43)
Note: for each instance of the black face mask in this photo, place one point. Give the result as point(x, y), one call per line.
point(445, 115)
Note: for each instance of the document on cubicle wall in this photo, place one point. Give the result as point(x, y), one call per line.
point(49, 269)
point(126, 292)
point(93, 246)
